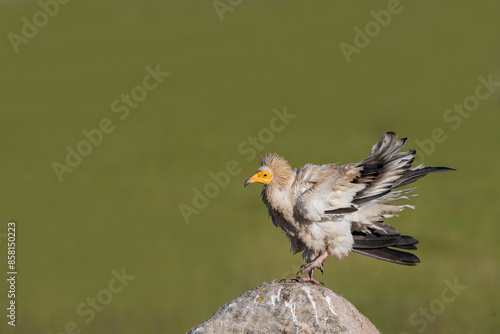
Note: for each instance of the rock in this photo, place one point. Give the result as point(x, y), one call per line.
point(287, 308)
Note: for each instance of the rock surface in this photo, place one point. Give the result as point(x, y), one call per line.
point(287, 308)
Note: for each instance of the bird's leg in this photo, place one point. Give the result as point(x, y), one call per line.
point(316, 263)
point(309, 269)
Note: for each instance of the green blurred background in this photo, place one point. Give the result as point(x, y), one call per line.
point(119, 208)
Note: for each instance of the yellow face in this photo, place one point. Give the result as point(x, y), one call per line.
point(262, 176)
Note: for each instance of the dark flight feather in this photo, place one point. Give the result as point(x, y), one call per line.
point(342, 210)
point(410, 176)
point(377, 246)
point(359, 201)
point(390, 255)
point(373, 240)
point(384, 229)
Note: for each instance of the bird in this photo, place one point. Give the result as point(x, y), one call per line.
point(336, 209)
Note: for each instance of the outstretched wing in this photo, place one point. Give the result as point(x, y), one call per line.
point(384, 172)
point(360, 193)
point(386, 169)
point(363, 189)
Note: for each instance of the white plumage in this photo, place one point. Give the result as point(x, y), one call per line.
point(331, 209)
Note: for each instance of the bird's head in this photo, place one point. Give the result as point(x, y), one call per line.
point(272, 167)
point(262, 176)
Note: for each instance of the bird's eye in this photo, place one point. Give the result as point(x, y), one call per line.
point(265, 174)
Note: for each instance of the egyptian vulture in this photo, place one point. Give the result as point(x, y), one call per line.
point(336, 209)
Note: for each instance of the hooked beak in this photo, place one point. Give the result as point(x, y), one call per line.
point(263, 177)
point(249, 181)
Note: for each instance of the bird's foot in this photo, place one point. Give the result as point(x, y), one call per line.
point(302, 280)
point(307, 279)
point(310, 279)
point(316, 263)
